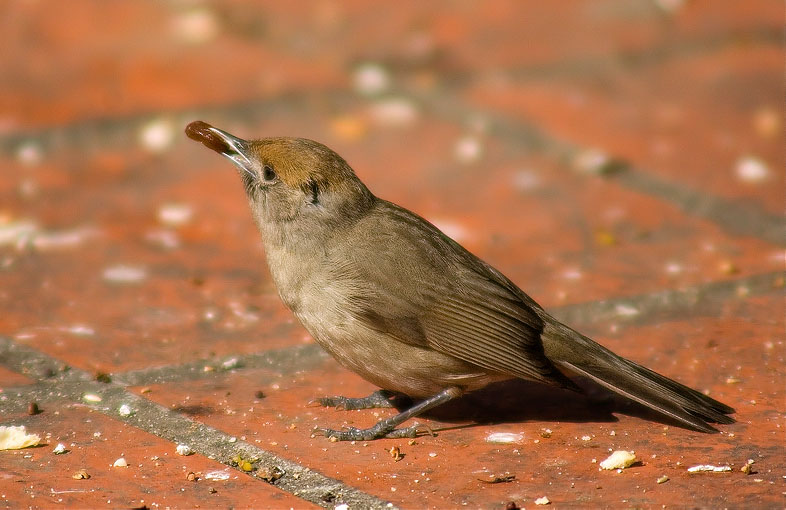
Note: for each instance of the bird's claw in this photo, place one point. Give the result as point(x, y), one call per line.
point(327, 402)
point(376, 400)
point(378, 431)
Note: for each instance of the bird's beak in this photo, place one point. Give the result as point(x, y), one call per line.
point(233, 148)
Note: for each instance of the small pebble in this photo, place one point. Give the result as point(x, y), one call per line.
point(674, 268)
point(751, 169)
point(124, 274)
point(709, 468)
point(452, 229)
point(60, 449)
point(230, 364)
point(728, 267)
point(174, 214)
point(371, 79)
point(662, 479)
point(217, 475)
point(624, 310)
point(157, 135)
point(121, 462)
point(395, 453)
point(543, 501)
point(80, 330)
point(197, 25)
point(394, 112)
point(620, 459)
point(125, 410)
point(468, 149)
point(572, 274)
point(29, 153)
point(183, 449)
point(593, 162)
point(504, 438)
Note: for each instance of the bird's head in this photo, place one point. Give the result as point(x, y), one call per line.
point(289, 179)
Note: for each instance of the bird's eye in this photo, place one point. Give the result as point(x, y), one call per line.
point(268, 173)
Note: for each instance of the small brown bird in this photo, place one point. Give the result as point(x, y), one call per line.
point(398, 302)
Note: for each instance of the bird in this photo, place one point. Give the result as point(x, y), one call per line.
point(397, 301)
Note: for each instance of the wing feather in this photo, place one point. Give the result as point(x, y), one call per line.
point(429, 291)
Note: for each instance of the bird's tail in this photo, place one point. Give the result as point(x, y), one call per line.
point(573, 351)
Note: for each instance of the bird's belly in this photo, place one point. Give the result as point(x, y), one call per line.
point(389, 363)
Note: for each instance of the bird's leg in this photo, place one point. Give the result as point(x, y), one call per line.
point(387, 428)
point(378, 399)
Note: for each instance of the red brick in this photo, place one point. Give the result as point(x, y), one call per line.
point(689, 120)
point(120, 59)
point(651, 82)
point(37, 478)
point(701, 352)
point(549, 239)
point(9, 379)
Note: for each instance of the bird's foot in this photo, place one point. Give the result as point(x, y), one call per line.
point(381, 430)
point(378, 399)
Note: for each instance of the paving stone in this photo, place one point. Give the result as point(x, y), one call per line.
point(128, 253)
point(698, 113)
point(155, 476)
point(699, 352)
point(209, 293)
point(126, 66)
point(9, 379)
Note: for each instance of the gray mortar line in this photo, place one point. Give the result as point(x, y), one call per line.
point(736, 217)
point(34, 364)
point(652, 56)
point(281, 361)
point(70, 384)
point(146, 415)
point(119, 129)
point(673, 303)
point(631, 310)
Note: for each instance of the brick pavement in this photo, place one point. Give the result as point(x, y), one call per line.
point(622, 161)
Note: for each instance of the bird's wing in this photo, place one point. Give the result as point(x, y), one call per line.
point(423, 288)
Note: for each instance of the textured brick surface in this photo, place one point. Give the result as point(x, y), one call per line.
point(127, 252)
point(155, 476)
point(698, 113)
point(560, 465)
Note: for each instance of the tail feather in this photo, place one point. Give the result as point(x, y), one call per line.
point(577, 353)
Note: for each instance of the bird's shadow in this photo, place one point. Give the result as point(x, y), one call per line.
point(517, 400)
